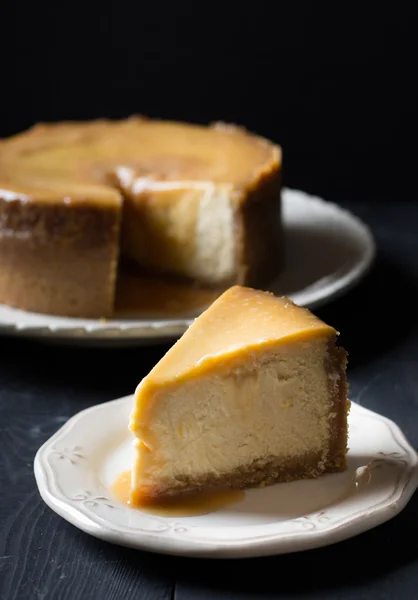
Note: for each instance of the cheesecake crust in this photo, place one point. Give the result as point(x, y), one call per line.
point(336, 364)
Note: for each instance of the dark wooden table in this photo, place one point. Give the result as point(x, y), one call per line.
point(41, 386)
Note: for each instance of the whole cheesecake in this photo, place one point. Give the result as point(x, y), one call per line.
point(77, 198)
point(254, 393)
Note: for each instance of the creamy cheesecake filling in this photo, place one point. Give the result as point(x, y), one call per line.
point(227, 426)
point(215, 236)
point(190, 225)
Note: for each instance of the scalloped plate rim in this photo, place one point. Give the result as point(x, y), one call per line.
point(252, 546)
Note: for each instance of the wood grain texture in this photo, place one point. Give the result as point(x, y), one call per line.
point(41, 386)
point(42, 556)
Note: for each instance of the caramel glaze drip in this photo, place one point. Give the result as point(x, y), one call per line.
point(192, 505)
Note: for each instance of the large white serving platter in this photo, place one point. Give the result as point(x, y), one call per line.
point(328, 251)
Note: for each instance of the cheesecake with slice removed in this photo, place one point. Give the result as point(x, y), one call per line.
point(252, 394)
point(76, 198)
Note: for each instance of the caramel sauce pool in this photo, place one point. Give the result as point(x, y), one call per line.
point(142, 295)
point(187, 506)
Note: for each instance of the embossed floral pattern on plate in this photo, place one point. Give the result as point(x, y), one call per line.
point(74, 470)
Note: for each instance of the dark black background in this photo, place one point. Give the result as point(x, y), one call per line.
point(334, 83)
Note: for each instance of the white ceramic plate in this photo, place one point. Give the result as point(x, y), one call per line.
point(328, 250)
point(76, 467)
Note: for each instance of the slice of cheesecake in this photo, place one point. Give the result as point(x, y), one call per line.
point(252, 394)
point(188, 200)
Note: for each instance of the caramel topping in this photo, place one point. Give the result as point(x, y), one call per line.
point(51, 159)
point(238, 322)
